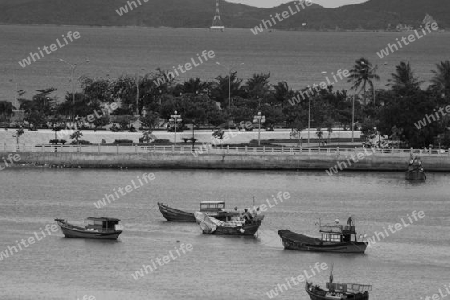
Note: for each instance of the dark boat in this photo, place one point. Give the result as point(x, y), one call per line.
point(338, 291)
point(335, 238)
point(214, 209)
point(96, 228)
point(415, 170)
point(237, 225)
point(175, 215)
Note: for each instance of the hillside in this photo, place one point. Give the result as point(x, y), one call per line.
point(372, 15)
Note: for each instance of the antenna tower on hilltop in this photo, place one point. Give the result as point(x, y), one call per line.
point(217, 22)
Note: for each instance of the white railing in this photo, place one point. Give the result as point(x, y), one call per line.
point(201, 150)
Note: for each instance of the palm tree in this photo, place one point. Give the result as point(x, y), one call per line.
point(403, 80)
point(17, 135)
point(362, 75)
point(441, 79)
point(76, 136)
point(282, 93)
point(148, 137)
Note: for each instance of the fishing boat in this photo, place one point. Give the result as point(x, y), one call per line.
point(415, 170)
point(338, 291)
point(334, 238)
point(95, 228)
point(214, 209)
point(175, 215)
point(234, 225)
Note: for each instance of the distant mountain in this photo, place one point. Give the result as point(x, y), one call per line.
point(371, 15)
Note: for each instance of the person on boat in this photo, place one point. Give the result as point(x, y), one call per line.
point(247, 216)
point(350, 221)
point(256, 212)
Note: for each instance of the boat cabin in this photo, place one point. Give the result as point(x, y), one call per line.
point(103, 224)
point(212, 206)
point(338, 233)
point(349, 287)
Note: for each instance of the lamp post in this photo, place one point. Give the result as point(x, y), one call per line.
point(73, 67)
point(193, 134)
point(16, 92)
point(260, 119)
point(175, 118)
point(353, 116)
point(137, 91)
point(229, 69)
point(309, 118)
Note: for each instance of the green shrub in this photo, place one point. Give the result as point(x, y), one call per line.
point(80, 142)
point(56, 141)
point(123, 141)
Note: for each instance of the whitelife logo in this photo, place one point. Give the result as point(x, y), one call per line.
point(380, 235)
point(187, 67)
point(280, 17)
point(31, 240)
point(391, 48)
point(124, 9)
point(310, 91)
point(162, 261)
point(49, 49)
point(128, 189)
point(427, 120)
point(281, 287)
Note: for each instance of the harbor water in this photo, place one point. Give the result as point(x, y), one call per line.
point(411, 263)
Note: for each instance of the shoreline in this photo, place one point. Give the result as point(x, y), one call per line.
point(226, 161)
point(442, 30)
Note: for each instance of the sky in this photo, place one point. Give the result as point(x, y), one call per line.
point(273, 3)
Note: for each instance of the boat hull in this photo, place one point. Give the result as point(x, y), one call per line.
point(337, 247)
point(322, 295)
point(175, 215)
point(68, 233)
point(246, 230)
point(415, 175)
point(211, 225)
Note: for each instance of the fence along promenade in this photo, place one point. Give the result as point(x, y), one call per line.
point(187, 149)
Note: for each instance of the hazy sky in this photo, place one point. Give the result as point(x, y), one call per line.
point(272, 3)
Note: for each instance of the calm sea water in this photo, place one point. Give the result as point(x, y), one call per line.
point(296, 57)
point(412, 263)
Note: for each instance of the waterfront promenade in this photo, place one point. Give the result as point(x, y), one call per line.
point(42, 136)
point(252, 158)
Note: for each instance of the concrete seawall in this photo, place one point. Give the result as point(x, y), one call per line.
point(267, 161)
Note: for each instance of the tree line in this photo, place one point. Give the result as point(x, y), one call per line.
point(393, 111)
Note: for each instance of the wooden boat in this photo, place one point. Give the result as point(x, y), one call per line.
point(335, 238)
point(175, 215)
point(214, 209)
point(237, 225)
point(415, 170)
point(95, 228)
point(338, 291)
